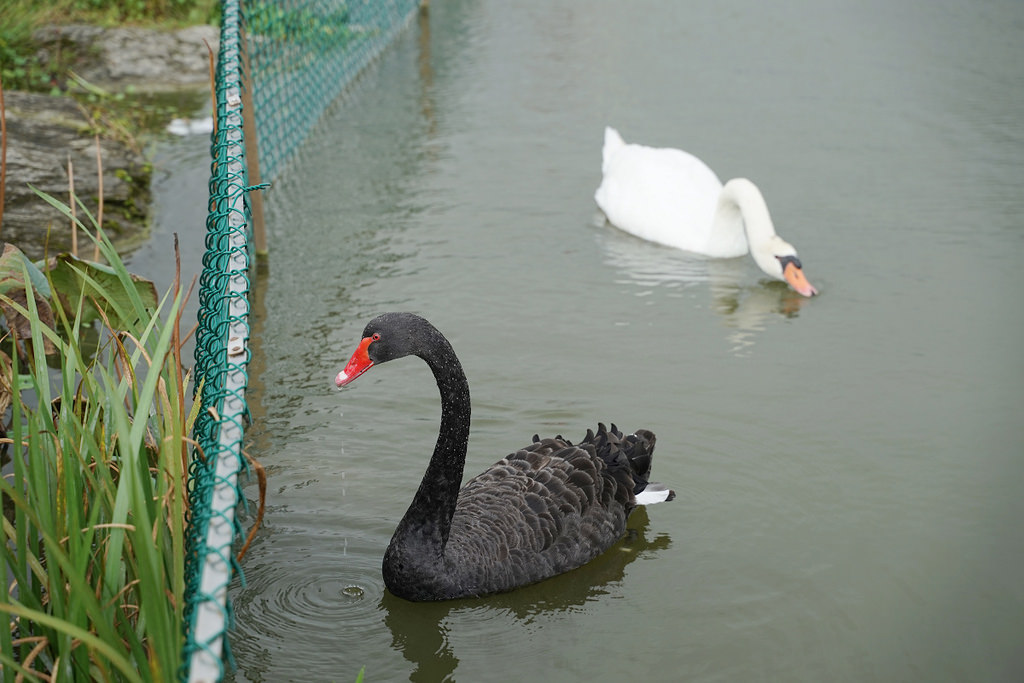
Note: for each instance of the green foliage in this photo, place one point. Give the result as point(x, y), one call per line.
point(138, 11)
point(94, 291)
point(94, 502)
point(149, 10)
point(19, 67)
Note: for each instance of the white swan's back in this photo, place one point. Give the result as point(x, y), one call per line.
point(664, 195)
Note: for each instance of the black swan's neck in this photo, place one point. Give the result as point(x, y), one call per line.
point(427, 522)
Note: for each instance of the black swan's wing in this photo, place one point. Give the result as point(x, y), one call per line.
point(545, 509)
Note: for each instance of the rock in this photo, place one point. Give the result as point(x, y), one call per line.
point(147, 60)
point(42, 131)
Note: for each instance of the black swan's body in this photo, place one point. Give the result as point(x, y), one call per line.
point(546, 509)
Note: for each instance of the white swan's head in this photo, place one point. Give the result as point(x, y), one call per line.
point(778, 258)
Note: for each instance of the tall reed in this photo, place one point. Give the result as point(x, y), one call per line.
point(94, 493)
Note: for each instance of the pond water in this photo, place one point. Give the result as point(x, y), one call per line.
point(849, 468)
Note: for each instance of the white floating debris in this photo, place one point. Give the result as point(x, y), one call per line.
point(183, 127)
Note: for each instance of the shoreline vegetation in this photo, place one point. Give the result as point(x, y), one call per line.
point(97, 413)
point(96, 455)
point(90, 78)
point(27, 64)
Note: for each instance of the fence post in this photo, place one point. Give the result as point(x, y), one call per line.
point(252, 153)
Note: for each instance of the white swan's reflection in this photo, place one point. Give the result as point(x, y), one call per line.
point(745, 305)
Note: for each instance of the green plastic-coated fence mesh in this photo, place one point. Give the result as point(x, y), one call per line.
point(299, 56)
point(303, 53)
point(221, 364)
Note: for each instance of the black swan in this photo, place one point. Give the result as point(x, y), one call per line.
point(548, 508)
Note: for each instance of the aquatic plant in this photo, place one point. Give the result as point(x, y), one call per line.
point(94, 483)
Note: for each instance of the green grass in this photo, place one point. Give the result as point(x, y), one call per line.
point(94, 524)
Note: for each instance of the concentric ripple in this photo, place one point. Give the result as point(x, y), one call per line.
point(314, 593)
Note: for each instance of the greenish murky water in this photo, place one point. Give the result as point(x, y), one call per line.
point(849, 468)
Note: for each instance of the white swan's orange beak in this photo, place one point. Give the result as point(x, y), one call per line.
point(358, 364)
point(795, 277)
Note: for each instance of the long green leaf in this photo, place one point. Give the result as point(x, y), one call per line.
point(83, 286)
point(85, 637)
point(57, 560)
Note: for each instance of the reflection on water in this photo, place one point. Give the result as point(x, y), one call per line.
point(315, 599)
point(746, 308)
point(426, 72)
point(418, 629)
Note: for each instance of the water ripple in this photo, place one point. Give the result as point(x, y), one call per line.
point(292, 589)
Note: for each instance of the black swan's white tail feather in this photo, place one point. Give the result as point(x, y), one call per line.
point(639, 449)
point(654, 493)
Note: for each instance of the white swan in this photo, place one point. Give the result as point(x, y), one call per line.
point(671, 197)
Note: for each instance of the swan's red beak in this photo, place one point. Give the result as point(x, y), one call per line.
point(358, 364)
point(795, 277)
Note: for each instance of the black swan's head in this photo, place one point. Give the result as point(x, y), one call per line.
point(390, 336)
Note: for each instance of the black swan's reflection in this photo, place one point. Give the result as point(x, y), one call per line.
point(420, 633)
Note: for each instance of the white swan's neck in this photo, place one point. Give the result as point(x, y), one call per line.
point(741, 208)
point(742, 213)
